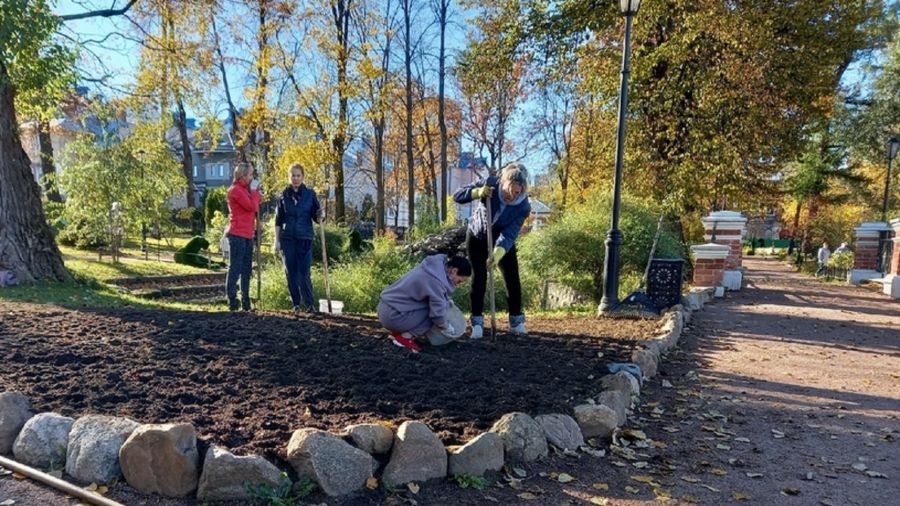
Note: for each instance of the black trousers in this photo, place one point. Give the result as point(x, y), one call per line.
point(477, 249)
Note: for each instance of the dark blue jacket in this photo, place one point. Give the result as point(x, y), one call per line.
point(508, 218)
point(295, 213)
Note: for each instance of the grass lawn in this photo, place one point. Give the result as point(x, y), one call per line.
point(89, 288)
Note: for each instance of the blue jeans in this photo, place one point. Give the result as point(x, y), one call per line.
point(240, 262)
point(297, 261)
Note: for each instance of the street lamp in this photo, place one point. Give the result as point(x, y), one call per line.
point(893, 146)
point(610, 300)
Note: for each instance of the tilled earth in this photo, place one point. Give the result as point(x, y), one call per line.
point(247, 380)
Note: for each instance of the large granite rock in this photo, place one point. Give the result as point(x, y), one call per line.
point(623, 382)
point(596, 420)
point(523, 438)
point(372, 438)
point(617, 401)
point(482, 454)
point(562, 431)
point(94, 444)
point(225, 475)
point(418, 455)
point(336, 466)
point(43, 441)
point(15, 410)
point(161, 459)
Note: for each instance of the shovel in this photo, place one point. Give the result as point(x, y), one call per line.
point(325, 263)
point(490, 246)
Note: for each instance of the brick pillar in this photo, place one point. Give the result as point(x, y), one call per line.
point(865, 251)
point(727, 228)
point(891, 284)
point(709, 263)
point(895, 253)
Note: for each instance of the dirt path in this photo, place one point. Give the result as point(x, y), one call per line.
point(787, 393)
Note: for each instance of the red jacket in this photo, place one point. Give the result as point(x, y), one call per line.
point(243, 205)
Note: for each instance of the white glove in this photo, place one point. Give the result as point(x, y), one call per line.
point(254, 185)
point(450, 331)
point(276, 248)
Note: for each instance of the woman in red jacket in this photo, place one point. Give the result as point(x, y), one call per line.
point(243, 205)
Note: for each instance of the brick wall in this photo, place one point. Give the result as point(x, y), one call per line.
point(708, 272)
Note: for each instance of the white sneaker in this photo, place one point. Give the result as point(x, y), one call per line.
point(477, 332)
point(518, 329)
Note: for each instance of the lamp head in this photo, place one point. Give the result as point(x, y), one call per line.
point(629, 7)
point(893, 147)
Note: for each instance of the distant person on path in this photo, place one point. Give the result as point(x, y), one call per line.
point(243, 206)
point(822, 256)
point(420, 300)
point(297, 209)
point(842, 249)
point(509, 207)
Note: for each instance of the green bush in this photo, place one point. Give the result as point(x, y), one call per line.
point(571, 250)
point(215, 229)
point(215, 200)
point(842, 260)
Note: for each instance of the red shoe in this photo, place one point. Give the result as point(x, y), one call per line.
point(405, 342)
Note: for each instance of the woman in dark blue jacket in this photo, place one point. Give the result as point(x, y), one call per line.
point(297, 209)
point(510, 208)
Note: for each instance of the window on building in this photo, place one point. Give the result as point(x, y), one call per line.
point(221, 170)
point(195, 171)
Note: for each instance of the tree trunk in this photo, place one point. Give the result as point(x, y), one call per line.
point(341, 13)
point(47, 168)
point(379, 175)
point(442, 120)
point(187, 163)
point(27, 247)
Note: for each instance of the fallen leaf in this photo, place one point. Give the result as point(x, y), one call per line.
point(632, 490)
point(859, 466)
point(723, 447)
point(600, 486)
point(876, 474)
point(515, 484)
point(754, 475)
point(666, 384)
point(634, 434)
point(18, 476)
point(372, 483)
point(599, 501)
point(528, 496)
point(102, 489)
point(519, 472)
point(564, 478)
point(690, 499)
point(740, 496)
point(808, 477)
point(690, 479)
point(645, 479)
point(640, 465)
point(777, 434)
point(412, 487)
point(826, 502)
point(718, 472)
point(710, 488)
point(92, 487)
point(742, 440)
point(790, 491)
point(8, 502)
point(58, 474)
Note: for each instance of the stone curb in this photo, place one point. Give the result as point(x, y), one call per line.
point(598, 418)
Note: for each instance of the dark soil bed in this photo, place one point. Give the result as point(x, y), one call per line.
point(247, 380)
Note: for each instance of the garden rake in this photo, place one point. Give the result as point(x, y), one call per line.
point(325, 261)
point(490, 247)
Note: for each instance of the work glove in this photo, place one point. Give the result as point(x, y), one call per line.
point(254, 185)
point(496, 255)
point(482, 192)
point(276, 248)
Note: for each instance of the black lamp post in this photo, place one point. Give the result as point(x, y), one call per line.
point(893, 146)
point(610, 300)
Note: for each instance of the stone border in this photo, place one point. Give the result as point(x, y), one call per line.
point(162, 459)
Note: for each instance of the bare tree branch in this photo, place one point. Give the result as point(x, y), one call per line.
point(102, 13)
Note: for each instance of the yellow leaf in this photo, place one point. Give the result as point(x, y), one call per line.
point(102, 489)
point(641, 478)
point(599, 501)
point(528, 496)
point(740, 496)
point(92, 487)
point(690, 499)
point(632, 490)
point(372, 483)
point(564, 478)
point(690, 479)
point(413, 487)
point(718, 472)
point(600, 486)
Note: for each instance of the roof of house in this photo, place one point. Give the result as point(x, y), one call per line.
point(538, 207)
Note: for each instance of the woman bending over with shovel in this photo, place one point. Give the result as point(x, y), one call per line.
point(417, 307)
point(507, 198)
